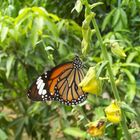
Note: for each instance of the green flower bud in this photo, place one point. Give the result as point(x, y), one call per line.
point(117, 50)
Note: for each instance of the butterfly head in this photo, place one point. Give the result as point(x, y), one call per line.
point(77, 62)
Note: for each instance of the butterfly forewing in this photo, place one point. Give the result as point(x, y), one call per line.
point(39, 89)
point(55, 74)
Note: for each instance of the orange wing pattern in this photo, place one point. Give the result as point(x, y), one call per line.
point(55, 73)
point(67, 90)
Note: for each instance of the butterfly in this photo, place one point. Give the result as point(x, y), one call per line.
point(60, 84)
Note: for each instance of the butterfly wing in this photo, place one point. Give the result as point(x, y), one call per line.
point(39, 89)
point(67, 90)
point(63, 83)
point(54, 76)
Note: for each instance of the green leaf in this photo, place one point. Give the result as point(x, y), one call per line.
point(116, 17)
point(124, 18)
point(107, 19)
point(95, 4)
point(34, 32)
point(4, 32)
point(75, 132)
point(10, 10)
point(2, 54)
point(9, 64)
point(19, 129)
point(3, 135)
point(131, 89)
point(131, 65)
point(23, 15)
point(119, 26)
point(52, 27)
point(54, 17)
point(131, 56)
point(127, 108)
point(101, 67)
point(119, 36)
point(18, 123)
point(39, 24)
point(133, 7)
point(40, 11)
point(99, 113)
point(34, 108)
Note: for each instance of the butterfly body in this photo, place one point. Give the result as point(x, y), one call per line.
point(60, 84)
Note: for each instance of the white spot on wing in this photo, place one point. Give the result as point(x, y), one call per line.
point(39, 81)
point(39, 78)
point(41, 88)
point(44, 92)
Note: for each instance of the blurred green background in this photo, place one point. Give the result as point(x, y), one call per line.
point(36, 35)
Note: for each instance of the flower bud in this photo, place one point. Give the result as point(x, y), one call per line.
point(96, 128)
point(119, 80)
point(117, 50)
point(91, 82)
point(78, 6)
point(113, 112)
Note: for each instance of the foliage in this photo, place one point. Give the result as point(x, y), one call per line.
point(37, 35)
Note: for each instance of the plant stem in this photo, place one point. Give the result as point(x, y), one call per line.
point(119, 3)
point(111, 77)
point(106, 58)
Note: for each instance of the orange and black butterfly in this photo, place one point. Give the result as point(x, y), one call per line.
point(60, 84)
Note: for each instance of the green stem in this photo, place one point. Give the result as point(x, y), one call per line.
point(112, 81)
point(119, 3)
point(106, 58)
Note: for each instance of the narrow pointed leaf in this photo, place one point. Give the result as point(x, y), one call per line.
point(4, 32)
point(9, 64)
point(75, 132)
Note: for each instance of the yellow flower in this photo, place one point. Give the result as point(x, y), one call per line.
point(113, 112)
point(91, 82)
point(96, 128)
